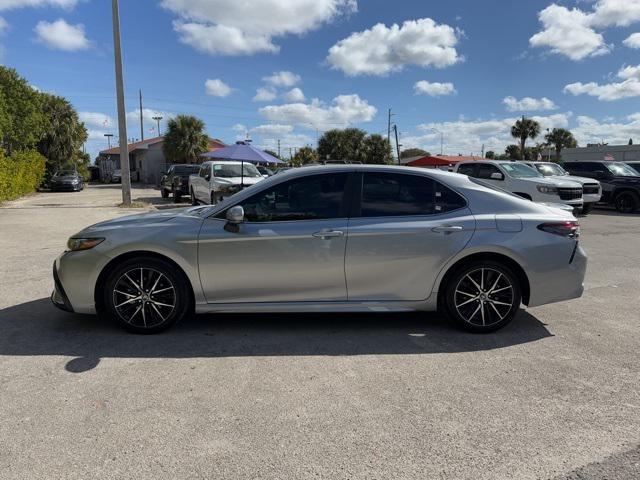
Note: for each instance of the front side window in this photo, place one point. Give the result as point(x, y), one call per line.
point(204, 170)
point(485, 170)
point(315, 197)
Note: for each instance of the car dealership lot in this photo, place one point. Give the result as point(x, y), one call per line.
point(297, 396)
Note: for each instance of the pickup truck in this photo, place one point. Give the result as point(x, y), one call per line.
point(219, 179)
point(524, 181)
point(591, 189)
point(176, 180)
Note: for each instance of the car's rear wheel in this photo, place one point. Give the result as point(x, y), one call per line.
point(163, 192)
point(146, 295)
point(627, 202)
point(483, 296)
point(194, 200)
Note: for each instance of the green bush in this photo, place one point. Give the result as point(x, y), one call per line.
point(20, 173)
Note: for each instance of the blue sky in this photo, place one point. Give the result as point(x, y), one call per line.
point(466, 68)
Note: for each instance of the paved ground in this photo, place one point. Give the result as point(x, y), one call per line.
point(554, 395)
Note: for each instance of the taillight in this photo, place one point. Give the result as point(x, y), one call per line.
point(569, 229)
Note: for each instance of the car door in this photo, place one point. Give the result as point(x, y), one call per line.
point(201, 187)
point(290, 248)
point(403, 230)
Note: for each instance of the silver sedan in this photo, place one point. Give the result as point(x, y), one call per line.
point(332, 239)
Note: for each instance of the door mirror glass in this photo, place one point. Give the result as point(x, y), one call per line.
point(497, 176)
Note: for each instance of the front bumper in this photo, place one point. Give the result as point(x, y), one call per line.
point(65, 187)
point(58, 296)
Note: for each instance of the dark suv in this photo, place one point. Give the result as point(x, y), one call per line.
point(620, 183)
point(176, 181)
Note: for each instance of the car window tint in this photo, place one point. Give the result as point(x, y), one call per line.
point(466, 169)
point(486, 169)
point(393, 194)
point(310, 198)
point(446, 199)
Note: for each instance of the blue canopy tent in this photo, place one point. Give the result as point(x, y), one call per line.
point(242, 152)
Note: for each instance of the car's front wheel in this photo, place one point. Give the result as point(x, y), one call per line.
point(194, 200)
point(483, 296)
point(146, 295)
point(163, 192)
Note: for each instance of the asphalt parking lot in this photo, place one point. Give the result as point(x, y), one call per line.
point(390, 396)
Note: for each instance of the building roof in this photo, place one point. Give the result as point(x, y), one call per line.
point(214, 144)
point(439, 160)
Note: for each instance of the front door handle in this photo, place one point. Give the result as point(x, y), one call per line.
point(447, 229)
point(327, 234)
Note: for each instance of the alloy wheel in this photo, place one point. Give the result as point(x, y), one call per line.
point(484, 297)
point(144, 297)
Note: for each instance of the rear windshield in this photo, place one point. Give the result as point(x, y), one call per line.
point(518, 170)
point(186, 169)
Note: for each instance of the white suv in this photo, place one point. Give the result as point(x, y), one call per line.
point(591, 189)
point(218, 180)
point(524, 181)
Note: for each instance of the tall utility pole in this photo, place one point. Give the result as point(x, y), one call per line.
point(108, 135)
point(157, 119)
point(389, 127)
point(122, 118)
point(141, 125)
point(395, 129)
point(278, 148)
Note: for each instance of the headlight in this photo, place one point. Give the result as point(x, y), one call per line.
point(75, 244)
point(547, 189)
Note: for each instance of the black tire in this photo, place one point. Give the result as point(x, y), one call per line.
point(163, 192)
point(471, 313)
point(177, 196)
point(194, 200)
point(140, 310)
point(586, 208)
point(213, 199)
point(627, 202)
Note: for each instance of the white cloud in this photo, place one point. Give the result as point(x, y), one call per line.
point(633, 40)
point(343, 111)
point(528, 104)
point(272, 130)
point(629, 87)
point(96, 119)
point(217, 88)
point(468, 136)
point(294, 95)
point(13, 4)
point(619, 13)
point(230, 27)
point(60, 35)
point(239, 128)
point(434, 89)
point(569, 33)
point(590, 130)
point(264, 95)
point(382, 50)
point(150, 125)
point(282, 79)
point(288, 143)
point(4, 26)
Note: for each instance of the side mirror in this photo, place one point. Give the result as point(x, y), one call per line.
point(207, 177)
point(497, 176)
point(235, 216)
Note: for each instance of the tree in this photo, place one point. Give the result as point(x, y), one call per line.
point(304, 156)
point(490, 154)
point(560, 139)
point(64, 135)
point(185, 139)
point(377, 150)
point(512, 152)
point(272, 153)
point(347, 144)
point(523, 129)
point(631, 141)
point(413, 152)
point(23, 122)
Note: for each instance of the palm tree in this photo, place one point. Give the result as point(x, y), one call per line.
point(185, 139)
point(560, 138)
point(523, 129)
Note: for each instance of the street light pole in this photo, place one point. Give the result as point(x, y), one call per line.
point(157, 119)
point(122, 120)
point(108, 135)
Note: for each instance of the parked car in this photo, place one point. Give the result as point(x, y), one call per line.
point(217, 180)
point(591, 189)
point(524, 181)
point(620, 183)
point(264, 171)
point(176, 180)
point(332, 239)
point(116, 176)
point(67, 180)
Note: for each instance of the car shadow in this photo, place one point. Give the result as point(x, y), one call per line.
point(38, 328)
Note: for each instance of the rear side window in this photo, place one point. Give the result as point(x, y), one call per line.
point(315, 197)
point(391, 194)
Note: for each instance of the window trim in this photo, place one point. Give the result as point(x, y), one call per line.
point(357, 200)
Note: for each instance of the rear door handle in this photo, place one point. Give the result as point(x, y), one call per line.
point(327, 234)
point(447, 229)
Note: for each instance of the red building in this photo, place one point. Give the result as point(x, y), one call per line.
point(436, 161)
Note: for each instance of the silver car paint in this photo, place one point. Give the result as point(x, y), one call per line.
point(280, 267)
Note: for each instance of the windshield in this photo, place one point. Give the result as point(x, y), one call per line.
point(518, 170)
point(65, 173)
point(621, 169)
point(548, 169)
point(186, 169)
point(233, 170)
